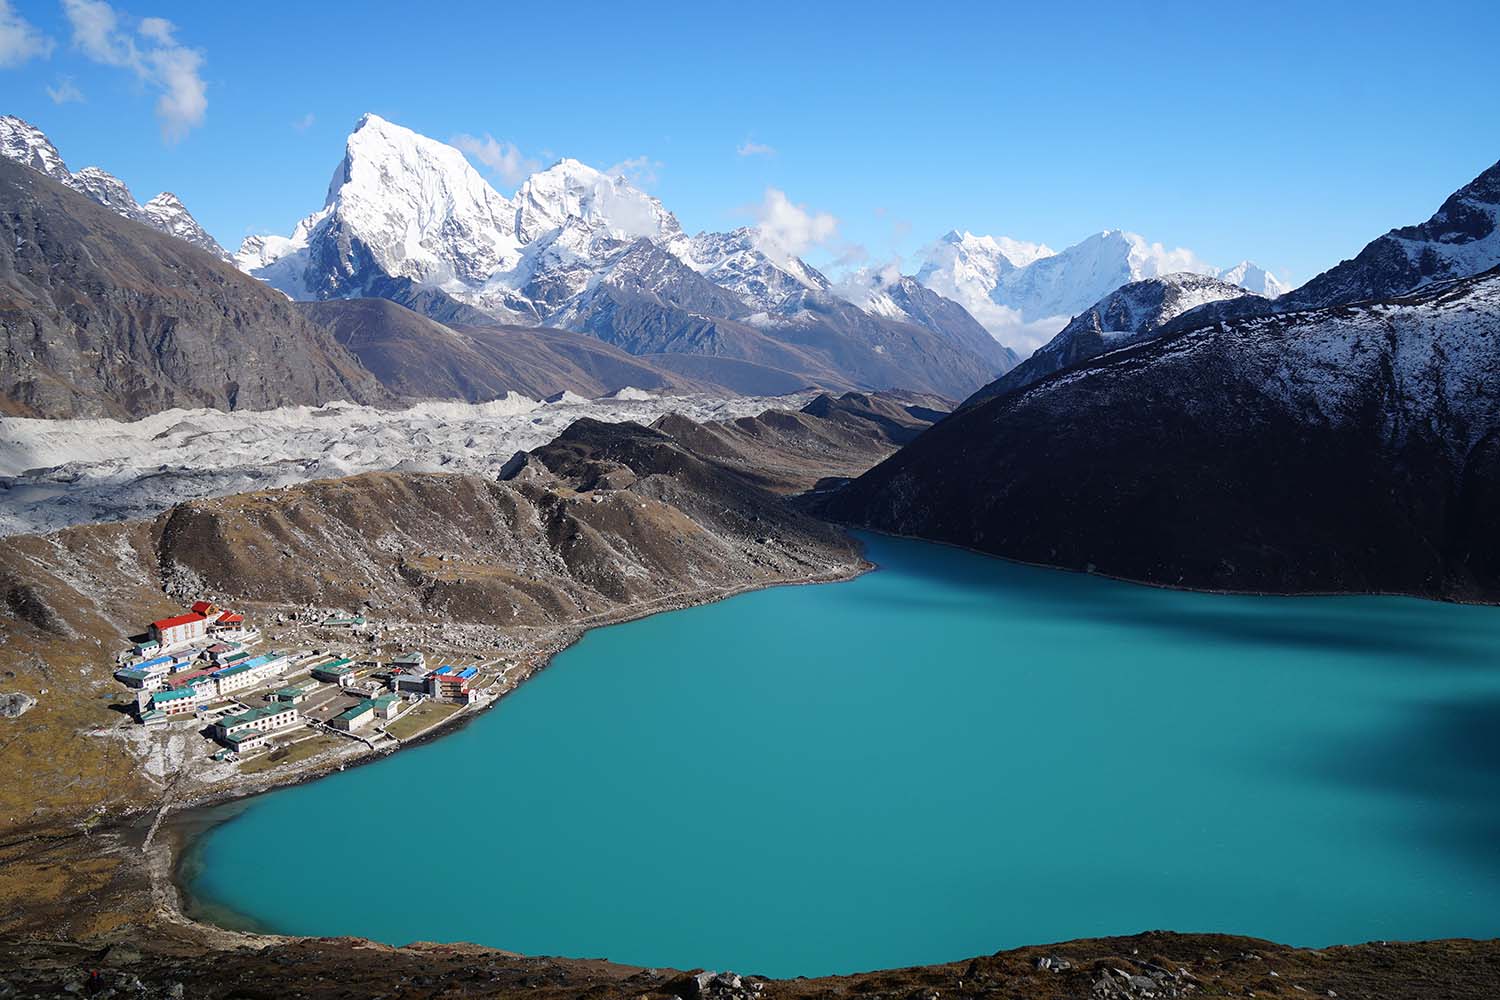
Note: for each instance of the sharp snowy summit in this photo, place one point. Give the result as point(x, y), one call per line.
point(26, 144)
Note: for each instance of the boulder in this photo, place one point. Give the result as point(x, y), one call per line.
point(15, 705)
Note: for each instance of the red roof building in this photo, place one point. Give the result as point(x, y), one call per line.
point(179, 628)
point(203, 608)
point(229, 618)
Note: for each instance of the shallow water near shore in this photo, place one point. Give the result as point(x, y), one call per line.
point(945, 757)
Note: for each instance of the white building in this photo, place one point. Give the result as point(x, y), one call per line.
point(253, 726)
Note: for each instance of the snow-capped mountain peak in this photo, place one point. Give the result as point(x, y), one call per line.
point(734, 260)
point(108, 190)
point(608, 205)
point(418, 206)
point(26, 144)
point(1024, 292)
point(1252, 277)
point(167, 213)
point(1018, 253)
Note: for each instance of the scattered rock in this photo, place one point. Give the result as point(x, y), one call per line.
point(15, 705)
point(715, 986)
point(121, 954)
point(1053, 964)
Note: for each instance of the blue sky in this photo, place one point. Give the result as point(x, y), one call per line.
point(1288, 134)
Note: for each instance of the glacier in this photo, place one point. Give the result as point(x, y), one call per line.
point(56, 473)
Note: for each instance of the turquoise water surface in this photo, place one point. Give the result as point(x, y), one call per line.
point(946, 757)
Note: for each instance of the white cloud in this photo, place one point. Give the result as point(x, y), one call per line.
point(752, 148)
point(20, 41)
point(97, 32)
point(863, 284)
point(157, 29)
point(501, 159)
point(305, 122)
point(851, 255)
point(66, 91)
point(638, 171)
point(785, 230)
point(148, 48)
point(184, 98)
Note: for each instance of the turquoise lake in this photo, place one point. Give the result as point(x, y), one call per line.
point(945, 757)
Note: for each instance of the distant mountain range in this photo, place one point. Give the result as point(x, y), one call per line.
point(1342, 437)
point(1021, 290)
point(407, 218)
point(575, 245)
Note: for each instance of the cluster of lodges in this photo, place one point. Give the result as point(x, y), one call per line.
point(189, 660)
point(192, 658)
point(447, 683)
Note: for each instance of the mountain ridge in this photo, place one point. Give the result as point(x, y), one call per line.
point(1011, 285)
point(104, 316)
point(26, 144)
point(1353, 448)
point(583, 251)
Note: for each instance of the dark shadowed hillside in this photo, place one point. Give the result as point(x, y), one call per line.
point(1355, 448)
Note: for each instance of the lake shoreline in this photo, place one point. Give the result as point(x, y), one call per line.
point(950, 585)
point(1158, 585)
point(187, 822)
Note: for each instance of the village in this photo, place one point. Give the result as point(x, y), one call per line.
point(210, 669)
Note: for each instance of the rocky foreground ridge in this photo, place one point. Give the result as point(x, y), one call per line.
point(1152, 966)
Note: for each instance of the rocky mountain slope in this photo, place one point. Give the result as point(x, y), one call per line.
point(1461, 238)
point(1353, 448)
point(1129, 314)
point(1026, 289)
point(102, 316)
point(419, 358)
point(26, 144)
point(583, 251)
point(829, 440)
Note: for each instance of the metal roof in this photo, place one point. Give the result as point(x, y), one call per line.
point(354, 712)
point(250, 715)
point(187, 692)
point(175, 620)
